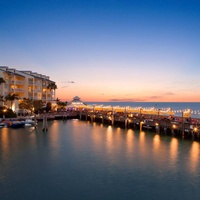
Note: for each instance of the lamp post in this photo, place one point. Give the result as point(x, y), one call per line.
point(183, 125)
point(4, 111)
point(158, 124)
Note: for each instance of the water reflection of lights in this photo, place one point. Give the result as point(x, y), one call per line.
point(4, 138)
point(194, 156)
point(110, 144)
point(129, 142)
point(173, 151)
point(55, 139)
point(142, 143)
point(118, 129)
point(142, 136)
point(156, 142)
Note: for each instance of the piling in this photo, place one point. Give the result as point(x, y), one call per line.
point(183, 127)
point(45, 126)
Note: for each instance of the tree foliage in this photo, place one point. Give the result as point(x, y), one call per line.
point(8, 113)
point(11, 97)
point(32, 105)
point(2, 80)
point(52, 86)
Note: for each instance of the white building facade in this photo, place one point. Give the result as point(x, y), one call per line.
point(25, 84)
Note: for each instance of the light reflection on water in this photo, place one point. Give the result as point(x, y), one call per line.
point(83, 160)
point(173, 153)
point(194, 157)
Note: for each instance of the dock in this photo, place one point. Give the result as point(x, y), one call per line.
point(154, 120)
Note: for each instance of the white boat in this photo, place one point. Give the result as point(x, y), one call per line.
point(3, 124)
point(30, 122)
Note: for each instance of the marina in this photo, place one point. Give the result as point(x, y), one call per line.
point(159, 120)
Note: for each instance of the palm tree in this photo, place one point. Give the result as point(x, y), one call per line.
point(2, 98)
point(52, 86)
point(11, 97)
point(57, 99)
point(2, 80)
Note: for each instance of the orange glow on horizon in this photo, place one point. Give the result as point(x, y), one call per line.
point(93, 97)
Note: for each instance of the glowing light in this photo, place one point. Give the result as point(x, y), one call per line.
point(174, 126)
point(195, 129)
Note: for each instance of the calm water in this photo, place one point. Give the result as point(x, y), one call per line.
point(78, 160)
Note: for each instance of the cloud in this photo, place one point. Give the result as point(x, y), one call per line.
point(65, 86)
point(67, 82)
point(127, 100)
point(169, 93)
point(154, 97)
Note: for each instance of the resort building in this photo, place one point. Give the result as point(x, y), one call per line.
point(25, 84)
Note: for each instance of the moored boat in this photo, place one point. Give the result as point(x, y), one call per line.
point(2, 124)
point(30, 122)
point(16, 124)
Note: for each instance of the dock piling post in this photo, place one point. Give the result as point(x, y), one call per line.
point(183, 131)
point(141, 125)
point(45, 127)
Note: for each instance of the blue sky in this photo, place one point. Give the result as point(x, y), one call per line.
point(103, 50)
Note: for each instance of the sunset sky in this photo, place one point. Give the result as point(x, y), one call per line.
point(106, 50)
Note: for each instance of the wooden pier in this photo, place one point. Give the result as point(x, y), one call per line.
point(159, 121)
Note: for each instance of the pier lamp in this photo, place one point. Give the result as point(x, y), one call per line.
point(195, 129)
point(131, 115)
point(174, 126)
point(4, 112)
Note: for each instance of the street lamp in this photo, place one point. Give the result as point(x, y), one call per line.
point(4, 111)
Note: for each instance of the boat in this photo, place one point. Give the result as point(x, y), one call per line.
point(2, 124)
point(30, 122)
point(16, 124)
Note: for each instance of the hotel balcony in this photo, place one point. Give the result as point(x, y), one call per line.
point(18, 90)
point(37, 90)
point(37, 83)
point(17, 82)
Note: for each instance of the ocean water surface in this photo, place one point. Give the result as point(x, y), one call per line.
point(78, 160)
